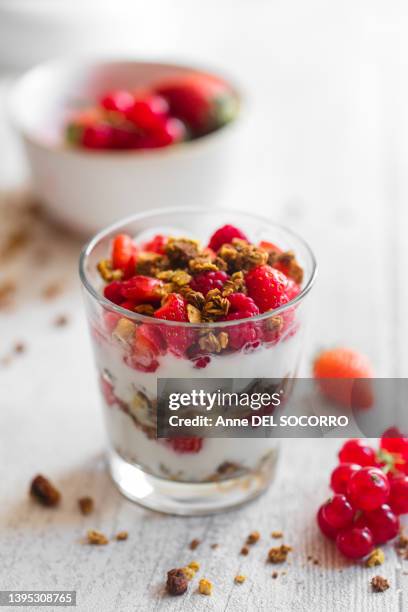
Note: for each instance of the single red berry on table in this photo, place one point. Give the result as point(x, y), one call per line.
point(267, 287)
point(383, 524)
point(142, 289)
point(123, 252)
point(325, 528)
point(97, 136)
point(355, 542)
point(206, 281)
point(224, 235)
point(341, 476)
point(357, 451)
point(119, 100)
point(338, 512)
point(179, 339)
point(343, 377)
point(398, 499)
point(156, 245)
point(186, 445)
point(148, 112)
point(368, 488)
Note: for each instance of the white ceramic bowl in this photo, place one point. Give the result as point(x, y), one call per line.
point(88, 190)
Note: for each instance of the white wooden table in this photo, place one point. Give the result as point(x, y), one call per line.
point(326, 150)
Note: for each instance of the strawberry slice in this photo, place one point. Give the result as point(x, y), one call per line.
point(186, 445)
point(124, 254)
point(142, 289)
point(156, 245)
point(202, 101)
point(269, 246)
point(148, 344)
point(179, 339)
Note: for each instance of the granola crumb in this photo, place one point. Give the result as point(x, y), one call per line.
point(244, 551)
point(278, 554)
point(96, 538)
point(121, 536)
point(401, 545)
point(214, 546)
point(379, 584)
point(194, 544)
point(189, 573)
point(19, 348)
point(194, 565)
point(239, 579)
point(253, 537)
point(7, 292)
point(52, 291)
point(86, 505)
point(61, 321)
point(205, 587)
point(275, 575)
point(44, 491)
point(376, 558)
point(276, 535)
point(176, 582)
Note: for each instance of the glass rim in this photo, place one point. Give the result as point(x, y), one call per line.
point(141, 318)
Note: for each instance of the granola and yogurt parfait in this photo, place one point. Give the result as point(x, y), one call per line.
point(188, 294)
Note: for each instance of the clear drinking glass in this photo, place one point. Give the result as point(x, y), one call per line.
point(223, 472)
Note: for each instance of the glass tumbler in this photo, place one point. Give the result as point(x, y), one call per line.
point(209, 474)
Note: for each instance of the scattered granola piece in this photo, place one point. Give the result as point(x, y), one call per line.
point(275, 575)
point(7, 291)
point(279, 554)
point(401, 545)
point(96, 538)
point(189, 573)
point(176, 582)
point(239, 579)
point(253, 537)
point(194, 544)
point(245, 551)
point(86, 505)
point(194, 565)
point(61, 321)
point(376, 558)
point(214, 546)
point(205, 587)
point(19, 348)
point(52, 291)
point(379, 584)
point(44, 491)
point(121, 536)
point(276, 535)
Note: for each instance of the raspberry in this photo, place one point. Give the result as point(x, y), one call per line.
point(336, 371)
point(206, 281)
point(142, 289)
point(179, 339)
point(224, 235)
point(186, 445)
point(268, 287)
point(242, 307)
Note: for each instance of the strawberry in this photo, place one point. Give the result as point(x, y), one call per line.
point(270, 247)
point(224, 235)
point(113, 292)
point(156, 245)
point(241, 307)
point(142, 289)
point(97, 136)
point(179, 339)
point(148, 344)
point(185, 445)
point(202, 101)
point(341, 374)
point(268, 287)
point(124, 254)
point(206, 281)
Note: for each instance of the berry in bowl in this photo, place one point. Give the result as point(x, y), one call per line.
point(174, 295)
point(104, 139)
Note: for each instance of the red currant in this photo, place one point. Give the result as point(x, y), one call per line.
point(368, 488)
point(399, 494)
point(120, 101)
point(383, 523)
point(341, 475)
point(355, 543)
point(356, 451)
point(338, 512)
point(324, 526)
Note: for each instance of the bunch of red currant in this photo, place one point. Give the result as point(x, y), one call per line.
point(370, 492)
